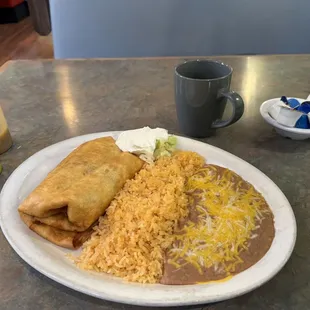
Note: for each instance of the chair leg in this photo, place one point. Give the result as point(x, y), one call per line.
point(40, 15)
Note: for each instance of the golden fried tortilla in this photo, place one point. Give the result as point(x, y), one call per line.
point(77, 192)
point(66, 239)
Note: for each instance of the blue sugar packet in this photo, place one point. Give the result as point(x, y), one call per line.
point(292, 103)
point(303, 122)
point(304, 107)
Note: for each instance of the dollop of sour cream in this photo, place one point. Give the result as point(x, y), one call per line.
point(141, 142)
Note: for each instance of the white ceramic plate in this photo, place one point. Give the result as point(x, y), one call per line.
point(288, 132)
point(50, 259)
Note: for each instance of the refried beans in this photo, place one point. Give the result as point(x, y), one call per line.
point(184, 270)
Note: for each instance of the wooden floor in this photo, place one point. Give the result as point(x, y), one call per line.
point(20, 41)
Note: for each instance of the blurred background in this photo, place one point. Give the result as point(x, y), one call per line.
point(152, 28)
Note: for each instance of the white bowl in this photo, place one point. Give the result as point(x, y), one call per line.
point(287, 132)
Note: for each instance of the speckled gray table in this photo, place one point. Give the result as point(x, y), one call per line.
point(49, 101)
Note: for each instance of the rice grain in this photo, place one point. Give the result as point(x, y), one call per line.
point(131, 238)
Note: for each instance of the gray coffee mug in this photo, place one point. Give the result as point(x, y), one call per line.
point(202, 88)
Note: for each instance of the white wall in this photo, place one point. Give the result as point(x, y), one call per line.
point(125, 28)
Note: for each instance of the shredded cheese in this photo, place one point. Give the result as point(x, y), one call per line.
point(228, 211)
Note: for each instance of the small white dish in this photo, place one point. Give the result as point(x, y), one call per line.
point(51, 260)
point(287, 132)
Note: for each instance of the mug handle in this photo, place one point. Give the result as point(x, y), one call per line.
point(238, 108)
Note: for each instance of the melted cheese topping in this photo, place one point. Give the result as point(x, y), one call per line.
point(229, 210)
point(216, 281)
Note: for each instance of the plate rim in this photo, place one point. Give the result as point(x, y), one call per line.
point(133, 301)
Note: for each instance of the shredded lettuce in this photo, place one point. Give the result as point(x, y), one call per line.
point(165, 147)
